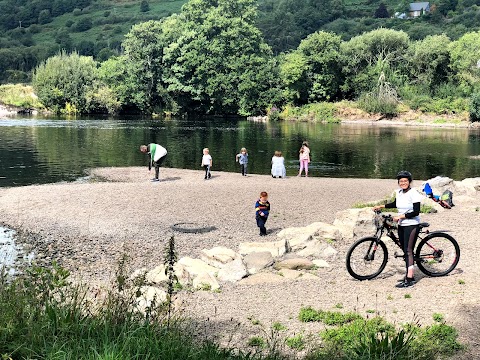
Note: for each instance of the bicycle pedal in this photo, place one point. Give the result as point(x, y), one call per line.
point(397, 255)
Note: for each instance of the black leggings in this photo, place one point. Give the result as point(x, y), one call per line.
point(408, 237)
point(157, 165)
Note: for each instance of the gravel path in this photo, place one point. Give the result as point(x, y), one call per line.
point(88, 226)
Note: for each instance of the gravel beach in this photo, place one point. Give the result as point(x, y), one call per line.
point(87, 226)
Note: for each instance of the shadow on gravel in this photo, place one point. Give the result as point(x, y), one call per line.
point(467, 322)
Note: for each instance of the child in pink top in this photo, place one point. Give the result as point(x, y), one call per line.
point(304, 158)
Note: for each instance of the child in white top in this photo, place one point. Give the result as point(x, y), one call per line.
point(207, 163)
point(278, 165)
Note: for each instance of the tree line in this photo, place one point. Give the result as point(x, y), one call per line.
point(212, 59)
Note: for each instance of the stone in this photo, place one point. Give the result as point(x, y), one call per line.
point(233, 271)
point(290, 274)
point(308, 276)
point(313, 248)
point(195, 267)
point(150, 295)
point(218, 256)
point(257, 261)
point(355, 222)
point(294, 264)
point(329, 252)
point(296, 237)
point(276, 248)
point(156, 275)
point(262, 278)
point(138, 273)
point(321, 263)
point(205, 280)
point(324, 231)
point(182, 274)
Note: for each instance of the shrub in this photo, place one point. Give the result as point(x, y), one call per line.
point(77, 12)
point(309, 314)
point(296, 342)
point(474, 109)
point(83, 24)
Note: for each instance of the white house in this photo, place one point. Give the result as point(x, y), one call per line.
point(417, 9)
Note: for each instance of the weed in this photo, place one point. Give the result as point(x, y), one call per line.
point(389, 297)
point(256, 341)
point(278, 326)
point(309, 314)
point(427, 209)
point(339, 305)
point(461, 282)
point(370, 311)
point(296, 342)
point(407, 296)
point(254, 320)
point(438, 317)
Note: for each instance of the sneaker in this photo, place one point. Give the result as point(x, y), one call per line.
point(406, 283)
point(155, 180)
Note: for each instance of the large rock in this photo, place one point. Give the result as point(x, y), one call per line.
point(294, 264)
point(233, 271)
point(290, 274)
point(257, 261)
point(195, 267)
point(321, 263)
point(355, 222)
point(262, 278)
point(150, 295)
point(156, 275)
point(218, 256)
point(468, 187)
point(313, 248)
point(297, 237)
point(183, 276)
point(276, 248)
point(324, 231)
point(204, 281)
point(329, 252)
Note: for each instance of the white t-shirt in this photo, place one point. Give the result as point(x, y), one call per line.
point(206, 159)
point(404, 202)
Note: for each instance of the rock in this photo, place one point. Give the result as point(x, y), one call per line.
point(156, 275)
point(262, 278)
point(195, 267)
point(466, 187)
point(218, 256)
point(308, 276)
point(355, 222)
point(150, 295)
point(276, 248)
point(297, 237)
point(233, 271)
point(325, 231)
point(257, 261)
point(290, 274)
point(204, 281)
point(138, 273)
point(329, 252)
point(182, 274)
point(321, 263)
point(440, 182)
point(313, 248)
point(293, 264)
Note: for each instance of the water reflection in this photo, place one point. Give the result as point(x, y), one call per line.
point(44, 150)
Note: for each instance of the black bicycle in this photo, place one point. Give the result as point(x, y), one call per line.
point(436, 254)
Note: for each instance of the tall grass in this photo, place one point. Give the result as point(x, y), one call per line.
point(19, 95)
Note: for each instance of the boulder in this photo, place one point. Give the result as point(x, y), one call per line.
point(468, 187)
point(257, 261)
point(218, 256)
point(205, 280)
point(276, 248)
point(321, 263)
point(296, 237)
point(329, 252)
point(182, 274)
point(156, 275)
point(294, 264)
point(324, 231)
point(313, 248)
point(355, 222)
point(195, 267)
point(138, 273)
point(233, 271)
point(262, 278)
point(150, 295)
point(290, 274)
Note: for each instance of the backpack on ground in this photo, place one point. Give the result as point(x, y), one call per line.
point(446, 199)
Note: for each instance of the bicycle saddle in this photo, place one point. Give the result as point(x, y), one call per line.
point(424, 225)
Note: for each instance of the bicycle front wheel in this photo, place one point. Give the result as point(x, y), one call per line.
point(437, 254)
point(367, 258)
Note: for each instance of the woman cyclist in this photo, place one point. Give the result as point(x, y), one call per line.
point(407, 201)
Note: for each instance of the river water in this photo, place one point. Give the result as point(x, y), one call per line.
point(44, 150)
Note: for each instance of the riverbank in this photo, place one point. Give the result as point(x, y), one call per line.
point(88, 226)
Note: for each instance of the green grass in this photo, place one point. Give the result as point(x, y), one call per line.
point(296, 342)
point(309, 314)
point(19, 95)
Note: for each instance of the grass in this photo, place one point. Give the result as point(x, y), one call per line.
point(19, 95)
point(308, 314)
point(407, 296)
point(461, 282)
point(296, 342)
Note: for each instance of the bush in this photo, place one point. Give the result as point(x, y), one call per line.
point(474, 109)
point(321, 112)
point(373, 104)
point(84, 24)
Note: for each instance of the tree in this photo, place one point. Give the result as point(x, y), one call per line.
point(220, 64)
point(44, 17)
point(429, 60)
point(65, 78)
point(465, 60)
point(313, 72)
point(144, 7)
point(381, 12)
point(366, 56)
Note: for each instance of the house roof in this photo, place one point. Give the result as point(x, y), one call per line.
point(419, 6)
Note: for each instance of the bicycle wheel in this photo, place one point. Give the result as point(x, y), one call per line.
point(366, 259)
point(437, 254)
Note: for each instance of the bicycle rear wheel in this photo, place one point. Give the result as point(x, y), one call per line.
point(366, 258)
point(437, 254)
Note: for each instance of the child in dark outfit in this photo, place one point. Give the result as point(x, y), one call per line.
point(262, 209)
